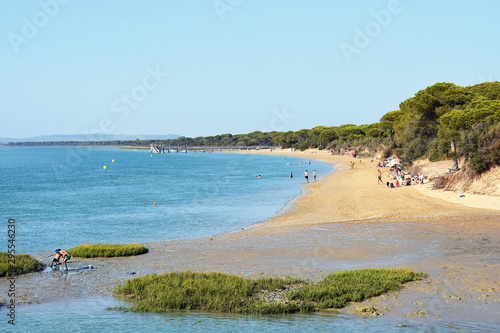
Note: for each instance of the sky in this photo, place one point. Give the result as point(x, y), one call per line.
point(208, 67)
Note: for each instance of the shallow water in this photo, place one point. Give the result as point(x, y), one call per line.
point(61, 196)
point(91, 315)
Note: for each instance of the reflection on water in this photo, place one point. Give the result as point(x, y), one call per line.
point(86, 315)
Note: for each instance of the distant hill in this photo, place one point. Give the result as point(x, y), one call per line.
point(89, 137)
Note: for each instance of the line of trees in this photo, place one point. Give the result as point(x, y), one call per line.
point(441, 121)
point(449, 121)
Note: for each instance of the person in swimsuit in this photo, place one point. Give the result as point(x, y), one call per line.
point(306, 175)
point(55, 261)
point(314, 175)
point(58, 254)
point(380, 177)
point(66, 256)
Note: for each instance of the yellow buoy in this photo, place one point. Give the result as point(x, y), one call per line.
point(151, 155)
point(104, 167)
point(112, 160)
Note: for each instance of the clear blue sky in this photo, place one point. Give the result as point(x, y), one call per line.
point(234, 66)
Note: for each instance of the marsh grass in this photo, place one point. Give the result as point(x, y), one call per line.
point(23, 263)
point(218, 292)
point(107, 250)
point(212, 292)
point(354, 286)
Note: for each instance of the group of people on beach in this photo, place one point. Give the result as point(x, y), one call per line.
point(61, 258)
point(400, 178)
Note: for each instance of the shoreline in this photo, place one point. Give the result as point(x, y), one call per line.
point(365, 204)
point(344, 221)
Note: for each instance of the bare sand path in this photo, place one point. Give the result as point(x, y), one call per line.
point(345, 221)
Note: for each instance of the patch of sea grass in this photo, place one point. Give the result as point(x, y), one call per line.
point(354, 286)
point(107, 250)
point(218, 292)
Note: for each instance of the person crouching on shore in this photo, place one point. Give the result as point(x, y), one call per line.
point(58, 254)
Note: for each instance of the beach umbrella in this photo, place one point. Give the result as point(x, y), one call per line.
point(394, 162)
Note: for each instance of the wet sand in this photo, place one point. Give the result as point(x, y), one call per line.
point(345, 221)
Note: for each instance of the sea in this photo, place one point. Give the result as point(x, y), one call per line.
point(64, 196)
point(59, 197)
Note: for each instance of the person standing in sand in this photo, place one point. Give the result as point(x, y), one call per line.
point(306, 175)
point(380, 177)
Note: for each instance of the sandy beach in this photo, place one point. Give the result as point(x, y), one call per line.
point(343, 221)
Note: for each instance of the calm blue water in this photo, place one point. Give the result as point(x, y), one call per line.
point(61, 196)
point(90, 315)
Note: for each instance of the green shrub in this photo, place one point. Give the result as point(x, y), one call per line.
point(23, 263)
point(482, 145)
point(107, 250)
point(438, 150)
point(354, 286)
point(218, 292)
